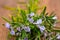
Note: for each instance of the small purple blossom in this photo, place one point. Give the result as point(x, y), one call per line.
point(25, 38)
point(38, 21)
point(42, 28)
point(30, 20)
point(7, 25)
point(19, 29)
point(58, 36)
point(12, 32)
point(31, 14)
point(27, 29)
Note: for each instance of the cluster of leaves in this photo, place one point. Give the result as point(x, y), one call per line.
point(19, 17)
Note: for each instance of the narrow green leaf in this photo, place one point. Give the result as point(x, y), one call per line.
point(6, 20)
point(9, 8)
point(43, 12)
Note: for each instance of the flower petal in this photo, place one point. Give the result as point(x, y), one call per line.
point(7, 25)
point(12, 32)
point(58, 37)
point(42, 28)
point(30, 20)
point(31, 14)
point(27, 29)
point(38, 21)
point(25, 38)
point(19, 29)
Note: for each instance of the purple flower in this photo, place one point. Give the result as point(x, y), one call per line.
point(7, 25)
point(25, 38)
point(12, 32)
point(58, 36)
point(27, 29)
point(31, 14)
point(42, 28)
point(19, 29)
point(38, 21)
point(30, 20)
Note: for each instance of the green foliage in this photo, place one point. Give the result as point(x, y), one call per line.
point(6, 20)
point(19, 19)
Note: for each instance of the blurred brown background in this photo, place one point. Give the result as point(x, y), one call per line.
point(52, 5)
